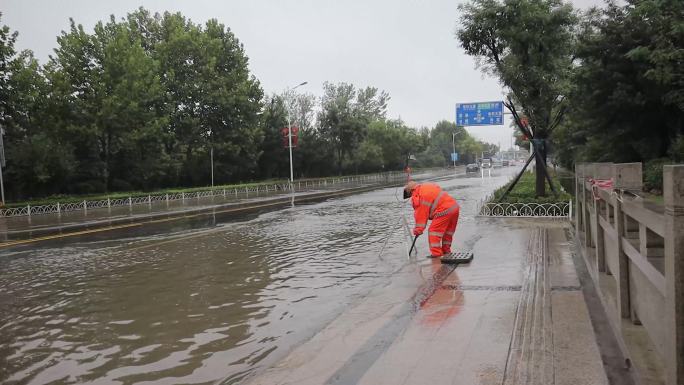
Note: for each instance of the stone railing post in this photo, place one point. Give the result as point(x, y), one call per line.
point(601, 171)
point(673, 192)
point(588, 204)
point(578, 172)
point(626, 176)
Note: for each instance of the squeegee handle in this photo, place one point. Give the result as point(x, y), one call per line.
point(413, 244)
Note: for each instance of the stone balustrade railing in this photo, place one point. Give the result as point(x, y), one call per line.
point(634, 250)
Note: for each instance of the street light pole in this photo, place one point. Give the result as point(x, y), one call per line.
point(289, 146)
point(289, 131)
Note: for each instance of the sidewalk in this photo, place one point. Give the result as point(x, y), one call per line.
point(516, 315)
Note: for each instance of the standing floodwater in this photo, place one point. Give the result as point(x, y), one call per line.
point(196, 306)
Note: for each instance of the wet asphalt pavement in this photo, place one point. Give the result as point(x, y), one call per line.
point(324, 288)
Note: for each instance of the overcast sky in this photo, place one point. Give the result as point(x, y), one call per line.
point(405, 47)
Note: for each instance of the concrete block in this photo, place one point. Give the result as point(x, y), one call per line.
point(673, 186)
point(627, 176)
point(673, 191)
point(602, 170)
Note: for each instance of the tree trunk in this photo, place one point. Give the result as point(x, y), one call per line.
point(106, 166)
point(540, 185)
point(339, 160)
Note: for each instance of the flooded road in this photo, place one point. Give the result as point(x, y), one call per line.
point(212, 305)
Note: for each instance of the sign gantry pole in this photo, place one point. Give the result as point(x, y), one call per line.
point(2, 165)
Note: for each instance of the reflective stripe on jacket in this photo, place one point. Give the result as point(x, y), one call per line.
point(430, 201)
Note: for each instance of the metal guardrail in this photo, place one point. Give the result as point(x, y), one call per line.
point(237, 192)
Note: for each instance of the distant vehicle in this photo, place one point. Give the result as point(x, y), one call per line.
point(485, 163)
point(473, 167)
point(506, 163)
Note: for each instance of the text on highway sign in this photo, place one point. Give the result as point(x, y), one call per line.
point(479, 114)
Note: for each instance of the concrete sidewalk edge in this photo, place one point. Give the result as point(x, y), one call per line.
point(613, 351)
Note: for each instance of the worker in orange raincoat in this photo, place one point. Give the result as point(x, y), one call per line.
point(430, 202)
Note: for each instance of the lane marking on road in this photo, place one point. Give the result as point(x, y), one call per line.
point(65, 235)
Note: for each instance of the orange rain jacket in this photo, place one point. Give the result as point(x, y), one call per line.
point(430, 201)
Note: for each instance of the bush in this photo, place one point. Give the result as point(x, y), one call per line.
point(524, 191)
point(653, 174)
point(677, 149)
point(90, 187)
point(121, 185)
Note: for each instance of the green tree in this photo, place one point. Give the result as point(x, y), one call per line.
point(113, 88)
point(38, 161)
point(312, 156)
point(7, 57)
point(470, 149)
point(345, 115)
point(627, 103)
point(444, 135)
point(211, 99)
point(231, 105)
point(395, 142)
point(274, 158)
point(528, 45)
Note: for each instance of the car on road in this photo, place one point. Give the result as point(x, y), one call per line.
point(472, 167)
point(485, 163)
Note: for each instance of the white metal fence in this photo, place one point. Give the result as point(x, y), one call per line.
point(525, 210)
point(237, 192)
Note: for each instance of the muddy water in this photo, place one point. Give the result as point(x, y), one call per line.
point(210, 306)
point(200, 307)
